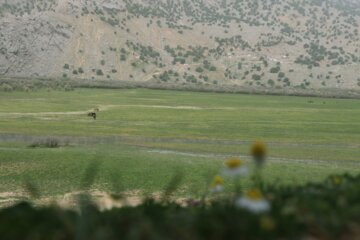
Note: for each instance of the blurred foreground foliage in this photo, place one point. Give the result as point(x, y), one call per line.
point(327, 210)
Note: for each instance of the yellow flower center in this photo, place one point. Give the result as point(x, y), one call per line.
point(218, 180)
point(233, 163)
point(337, 180)
point(254, 194)
point(258, 149)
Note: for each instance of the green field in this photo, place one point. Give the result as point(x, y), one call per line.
point(143, 137)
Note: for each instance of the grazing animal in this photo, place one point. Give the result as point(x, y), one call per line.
point(92, 114)
point(96, 109)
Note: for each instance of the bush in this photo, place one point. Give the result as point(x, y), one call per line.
point(271, 82)
point(330, 207)
point(6, 88)
point(275, 69)
point(212, 69)
point(256, 77)
point(99, 72)
point(199, 69)
point(47, 143)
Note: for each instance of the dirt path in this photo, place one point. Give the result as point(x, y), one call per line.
point(104, 200)
point(37, 114)
point(248, 158)
point(134, 140)
point(106, 108)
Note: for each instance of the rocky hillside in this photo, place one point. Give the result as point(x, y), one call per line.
point(280, 44)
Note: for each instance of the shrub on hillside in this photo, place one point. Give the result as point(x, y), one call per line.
point(275, 69)
point(99, 72)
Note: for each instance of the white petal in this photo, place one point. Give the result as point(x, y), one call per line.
point(255, 206)
point(216, 189)
point(234, 172)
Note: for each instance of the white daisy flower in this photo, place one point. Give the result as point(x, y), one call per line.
point(254, 202)
point(258, 151)
point(234, 168)
point(217, 189)
point(217, 185)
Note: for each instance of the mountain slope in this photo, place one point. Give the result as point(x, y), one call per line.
point(269, 43)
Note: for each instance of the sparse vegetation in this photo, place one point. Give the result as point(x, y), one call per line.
point(227, 54)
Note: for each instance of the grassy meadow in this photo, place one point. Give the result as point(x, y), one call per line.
point(142, 138)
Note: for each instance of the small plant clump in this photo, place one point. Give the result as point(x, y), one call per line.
point(46, 143)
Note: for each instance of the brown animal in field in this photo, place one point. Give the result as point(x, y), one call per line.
point(96, 109)
point(92, 114)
